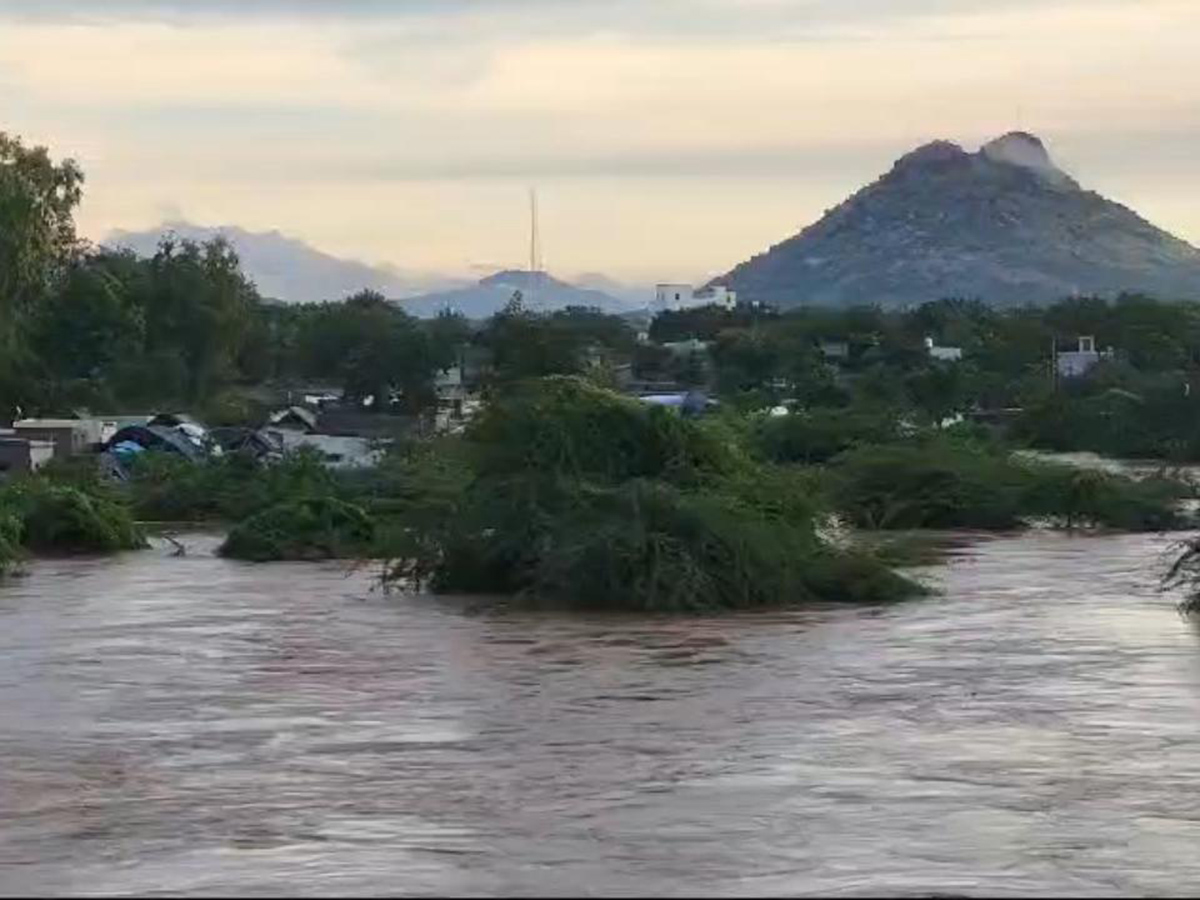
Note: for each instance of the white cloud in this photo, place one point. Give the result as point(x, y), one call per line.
point(668, 135)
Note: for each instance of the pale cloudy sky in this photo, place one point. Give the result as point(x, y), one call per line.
point(667, 138)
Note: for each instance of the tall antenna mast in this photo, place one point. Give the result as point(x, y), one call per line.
point(535, 248)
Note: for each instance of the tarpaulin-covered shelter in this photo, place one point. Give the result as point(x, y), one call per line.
point(157, 437)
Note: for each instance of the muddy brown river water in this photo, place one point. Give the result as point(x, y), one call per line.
point(207, 727)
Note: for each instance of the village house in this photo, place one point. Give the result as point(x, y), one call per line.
point(1078, 362)
point(20, 455)
point(69, 437)
point(944, 354)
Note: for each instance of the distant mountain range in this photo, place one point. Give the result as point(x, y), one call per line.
point(539, 292)
point(1003, 224)
point(288, 269)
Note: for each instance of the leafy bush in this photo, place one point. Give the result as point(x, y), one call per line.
point(949, 484)
point(652, 547)
point(313, 528)
point(576, 496)
point(61, 519)
point(168, 488)
point(1151, 419)
point(10, 541)
point(933, 485)
point(1077, 497)
point(565, 425)
point(819, 435)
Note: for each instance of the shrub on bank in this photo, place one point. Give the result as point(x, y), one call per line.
point(646, 546)
point(1083, 497)
point(167, 488)
point(944, 484)
point(56, 519)
point(927, 486)
point(10, 542)
point(819, 435)
point(308, 529)
point(582, 498)
point(566, 425)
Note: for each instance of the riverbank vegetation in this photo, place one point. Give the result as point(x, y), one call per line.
point(563, 490)
point(42, 516)
point(934, 482)
point(305, 529)
point(579, 496)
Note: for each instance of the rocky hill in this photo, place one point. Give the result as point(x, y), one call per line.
point(1003, 224)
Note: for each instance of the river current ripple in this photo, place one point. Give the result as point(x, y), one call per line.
point(194, 725)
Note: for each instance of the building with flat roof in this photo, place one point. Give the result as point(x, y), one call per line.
point(1078, 362)
point(20, 455)
point(68, 436)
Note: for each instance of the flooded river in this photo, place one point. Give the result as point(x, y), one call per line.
point(202, 726)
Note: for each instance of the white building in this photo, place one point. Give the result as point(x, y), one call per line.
point(945, 354)
point(717, 295)
point(672, 296)
point(1078, 362)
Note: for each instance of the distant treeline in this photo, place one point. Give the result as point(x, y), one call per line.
point(1143, 400)
point(92, 327)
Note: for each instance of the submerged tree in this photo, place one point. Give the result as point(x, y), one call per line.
point(1185, 574)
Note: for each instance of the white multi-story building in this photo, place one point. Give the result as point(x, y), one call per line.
point(1075, 363)
point(673, 296)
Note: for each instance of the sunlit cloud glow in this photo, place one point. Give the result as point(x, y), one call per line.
point(667, 138)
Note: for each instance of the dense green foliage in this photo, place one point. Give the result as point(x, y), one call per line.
point(564, 425)
point(10, 541)
point(1140, 402)
point(938, 483)
point(562, 491)
point(167, 488)
point(582, 497)
point(48, 517)
point(821, 434)
point(183, 328)
point(310, 529)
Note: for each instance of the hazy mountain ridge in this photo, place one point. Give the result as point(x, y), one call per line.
point(290, 269)
point(1003, 224)
point(539, 291)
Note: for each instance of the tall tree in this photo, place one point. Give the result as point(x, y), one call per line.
point(37, 231)
point(37, 239)
point(376, 350)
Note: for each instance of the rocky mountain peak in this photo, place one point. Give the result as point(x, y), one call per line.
point(1003, 223)
point(933, 154)
point(1020, 148)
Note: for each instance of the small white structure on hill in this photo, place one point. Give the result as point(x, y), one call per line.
point(673, 296)
point(716, 295)
point(945, 354)
point(1078, 362)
